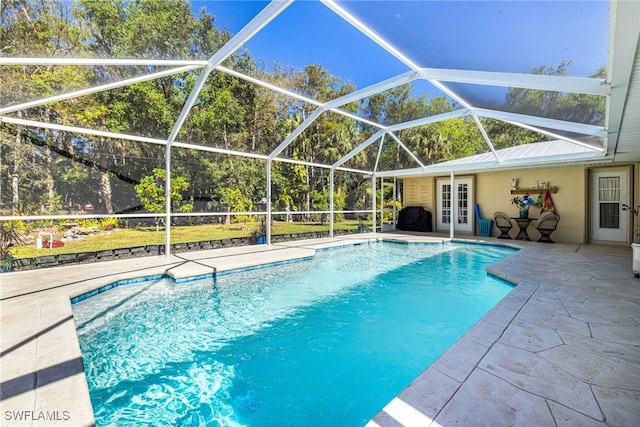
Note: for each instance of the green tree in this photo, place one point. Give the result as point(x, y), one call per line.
point(322, 141)
point(237, 202)
point(588, 109)
point(151, 192)
point(505, 135)
point(41, 28)
point(321, 202)
point(162, 29)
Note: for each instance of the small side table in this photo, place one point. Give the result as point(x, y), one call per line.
point(523, 223)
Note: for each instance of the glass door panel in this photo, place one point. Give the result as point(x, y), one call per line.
point(609, 192)
point(463, 200)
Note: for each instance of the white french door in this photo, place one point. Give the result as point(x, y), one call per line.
point(608, 192)
point(463, 220)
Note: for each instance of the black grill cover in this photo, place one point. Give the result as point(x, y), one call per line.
point(414, 218)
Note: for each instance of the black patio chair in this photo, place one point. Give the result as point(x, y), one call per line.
point(503, 222)
point(546, 226)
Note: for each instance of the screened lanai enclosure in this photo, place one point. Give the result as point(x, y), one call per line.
point(190, 112)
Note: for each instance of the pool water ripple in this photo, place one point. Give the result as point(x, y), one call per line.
point(321, 342)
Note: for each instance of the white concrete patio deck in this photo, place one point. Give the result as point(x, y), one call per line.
point(563, 348)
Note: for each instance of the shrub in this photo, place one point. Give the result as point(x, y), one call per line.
point(106, 222)
point(89, 223)
point(11, 234)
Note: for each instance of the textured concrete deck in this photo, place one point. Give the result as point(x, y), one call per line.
point(563, 348)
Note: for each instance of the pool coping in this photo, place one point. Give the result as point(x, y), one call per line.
point(41, 370)
point(42, 374)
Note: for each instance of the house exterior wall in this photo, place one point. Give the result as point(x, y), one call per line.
point(420, 192)
point(492, 191)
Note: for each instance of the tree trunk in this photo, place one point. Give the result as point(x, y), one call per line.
point(15, 173)
point(49, 182)
point(225, 137)
point(15, 199)
point(105, 191)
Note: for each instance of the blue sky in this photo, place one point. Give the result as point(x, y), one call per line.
point(509, 36)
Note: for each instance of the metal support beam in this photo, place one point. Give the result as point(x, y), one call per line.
point(374, 199)
point(157, 141)
point(454, 203)
point(296, 132)
point(542, 122)
point(429, 120)
point(395, 199)
point(96, 89)
point(331, 4)
point(101, 61)
point(268, 219)
point(272, 10)
point(369, 33)
point(584, 85)
point(135, 138)
point(294, 95)
point(558, 136)
point(331, 202)
point(381, 219)
point(167, 195)
point(375, 167)
point(351, 97)
point(486, 137)
point(390, 83)
point(320, 165)
point(409, 152)
point(358, 149)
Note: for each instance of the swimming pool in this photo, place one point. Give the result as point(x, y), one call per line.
point(323, 342)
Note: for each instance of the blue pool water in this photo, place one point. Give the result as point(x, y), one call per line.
point(322, 342)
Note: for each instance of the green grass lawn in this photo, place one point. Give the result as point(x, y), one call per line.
point(141, 236)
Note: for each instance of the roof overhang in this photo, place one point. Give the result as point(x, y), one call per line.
point(542, 154)
point(623, 105)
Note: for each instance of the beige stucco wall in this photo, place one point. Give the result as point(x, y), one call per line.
point(493, 193)
point(420, 192)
